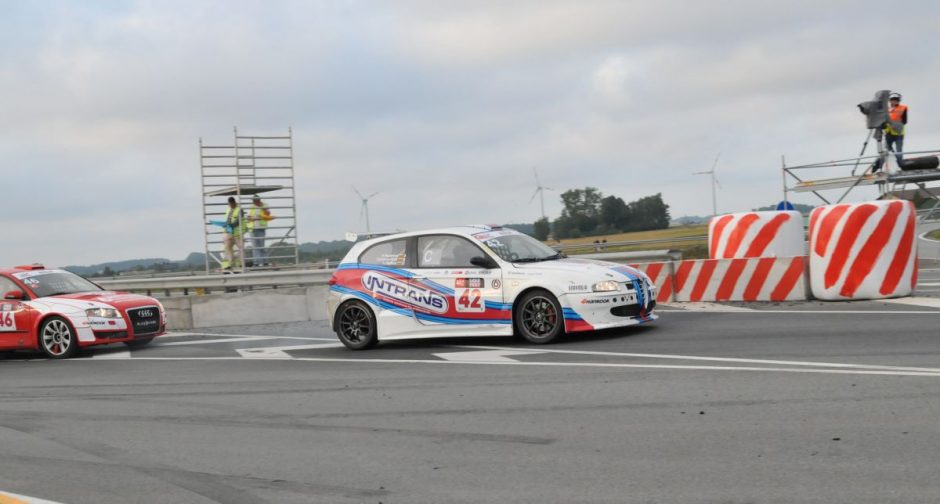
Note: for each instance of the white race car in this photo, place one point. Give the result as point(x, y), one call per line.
point(478, 281)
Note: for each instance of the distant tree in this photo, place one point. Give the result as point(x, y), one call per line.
point(614, 213)
point(107, 271)
point(648, 213)
point(561, 228)
point(541, 229)
point(581, 211)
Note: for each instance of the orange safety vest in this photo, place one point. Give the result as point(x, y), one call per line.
point(896, 116)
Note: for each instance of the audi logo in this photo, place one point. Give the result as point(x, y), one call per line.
point(145, 313)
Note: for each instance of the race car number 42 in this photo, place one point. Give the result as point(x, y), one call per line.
point(469, 300)
point(7, 321)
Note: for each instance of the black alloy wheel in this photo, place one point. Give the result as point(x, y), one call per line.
point(355, 325)
point(539, 318)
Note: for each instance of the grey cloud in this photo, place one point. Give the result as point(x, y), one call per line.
point(443, 106)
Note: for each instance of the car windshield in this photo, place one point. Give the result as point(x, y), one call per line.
point(513, 246)
point(55, 282)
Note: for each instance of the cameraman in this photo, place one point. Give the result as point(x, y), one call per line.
point(894, 128)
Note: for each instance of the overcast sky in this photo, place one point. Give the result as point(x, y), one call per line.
point(443, 106)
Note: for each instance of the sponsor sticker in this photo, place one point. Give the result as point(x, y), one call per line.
point(469, 283)
point(577, 288)
point(392, 259)
point(496, 283)
point(403, 292)
point(33, 273)
point(595, 301)
point(494, 234)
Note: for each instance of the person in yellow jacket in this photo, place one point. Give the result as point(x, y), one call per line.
point(234, 228)
point(897, 123)
point(258, 217)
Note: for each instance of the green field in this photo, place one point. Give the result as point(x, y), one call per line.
point(697, 249)
point(934, 235)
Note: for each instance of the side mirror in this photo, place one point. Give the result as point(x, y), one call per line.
point(15, 295)
point(483, 262)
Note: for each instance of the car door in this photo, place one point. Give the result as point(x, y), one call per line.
point(387, 281)
point(15, 317)
point(473, 294)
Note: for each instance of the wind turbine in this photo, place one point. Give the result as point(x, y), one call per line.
point(365, 208)
point(540, 191)
point(714, 184)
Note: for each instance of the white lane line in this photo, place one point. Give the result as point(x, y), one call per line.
point(915, 301)
point(220, 340)
point(824, 312)
point(224, 335)
point(712, 359)
point(485, 355)
point(550, 364)
point(281, 351)
point(709, 307)
point(115, 355)
point(12, 498)
point(929, 284)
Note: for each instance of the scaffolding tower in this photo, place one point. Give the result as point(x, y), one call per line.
point(251, 165)
point(878, 170)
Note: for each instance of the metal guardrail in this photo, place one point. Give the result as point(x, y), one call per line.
point(324, 264)
point(206, 284)
point(608, 245)
point(163, 286)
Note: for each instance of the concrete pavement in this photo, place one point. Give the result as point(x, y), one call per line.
point(707, 405)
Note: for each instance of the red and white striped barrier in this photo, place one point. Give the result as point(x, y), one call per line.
point(661, 274)
point(742, 279)
point(756, 234)
point(863, 250)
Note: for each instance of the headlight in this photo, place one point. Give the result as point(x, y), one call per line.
point(102, 313)
point(606, 286)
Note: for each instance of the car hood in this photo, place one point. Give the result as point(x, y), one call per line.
point(119, 299)
point(588, 267)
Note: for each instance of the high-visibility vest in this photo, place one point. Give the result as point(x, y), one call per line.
point(233, 219)
point(896, 117)
point(258, 216)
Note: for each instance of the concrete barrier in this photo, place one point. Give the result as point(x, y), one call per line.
point(756, 234)
point(663, 275)
point(271, 306)
point(742, 279)
point(863, 250)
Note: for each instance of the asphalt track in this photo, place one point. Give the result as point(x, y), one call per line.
point(732, 403)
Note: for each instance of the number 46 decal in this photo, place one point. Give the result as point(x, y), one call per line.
point(7, 321)
point(469, 300)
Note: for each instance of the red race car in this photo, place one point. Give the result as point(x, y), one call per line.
point(57, 312)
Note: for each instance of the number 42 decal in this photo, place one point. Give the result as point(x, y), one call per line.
point(469, 300)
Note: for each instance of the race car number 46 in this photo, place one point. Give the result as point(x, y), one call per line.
point(7, 321)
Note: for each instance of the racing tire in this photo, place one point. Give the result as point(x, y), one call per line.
point(539, 317)
point(355, 325)
point(137, 343)
point(57, 338)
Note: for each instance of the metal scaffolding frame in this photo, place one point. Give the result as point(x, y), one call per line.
point(880, 169)
point(250, 165)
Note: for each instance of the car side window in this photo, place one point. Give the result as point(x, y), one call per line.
point(7, 285)
point(390, 253)
point(446, 251)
